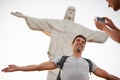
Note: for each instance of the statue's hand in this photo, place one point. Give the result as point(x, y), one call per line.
point(18, 14)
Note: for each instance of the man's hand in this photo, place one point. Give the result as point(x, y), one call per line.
point(18, 14)
point(100, 25)
point(10, 68)
point(109, 22)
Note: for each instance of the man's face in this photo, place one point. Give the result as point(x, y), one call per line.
point(79, 44)
point(70, 12)
point(115, 4)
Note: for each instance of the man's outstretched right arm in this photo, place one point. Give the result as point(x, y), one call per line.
point(44, 66)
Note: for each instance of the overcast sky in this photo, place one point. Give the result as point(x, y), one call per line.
point(21, 46)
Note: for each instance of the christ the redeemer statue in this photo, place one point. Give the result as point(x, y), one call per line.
point(62, 33)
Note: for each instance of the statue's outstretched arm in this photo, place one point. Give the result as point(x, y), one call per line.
point(18, 14)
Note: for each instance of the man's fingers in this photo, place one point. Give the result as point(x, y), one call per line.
point(10, 65)
point(5, 69)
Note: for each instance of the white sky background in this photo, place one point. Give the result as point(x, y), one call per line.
point(21, 46)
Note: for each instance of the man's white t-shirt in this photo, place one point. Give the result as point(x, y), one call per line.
point(75, 69)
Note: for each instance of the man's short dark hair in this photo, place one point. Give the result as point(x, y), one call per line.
point(77, 37)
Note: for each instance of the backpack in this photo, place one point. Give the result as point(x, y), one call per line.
point(63, 59)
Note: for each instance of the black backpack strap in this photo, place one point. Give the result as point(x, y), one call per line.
point(90, 64)
point(58, 76)
point(61, 63)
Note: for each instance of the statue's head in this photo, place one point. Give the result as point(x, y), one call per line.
point(70, 13)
